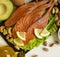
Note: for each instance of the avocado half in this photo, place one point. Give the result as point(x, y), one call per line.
point(6, 9)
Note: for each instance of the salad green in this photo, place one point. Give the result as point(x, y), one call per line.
point(51, 27)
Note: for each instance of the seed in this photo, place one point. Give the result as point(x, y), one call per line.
point(56, 42)
point(35, 56)
point(45, 43)
point(45, 49)
point(51, 44)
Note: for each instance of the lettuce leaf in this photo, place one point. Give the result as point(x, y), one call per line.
point(35, 42)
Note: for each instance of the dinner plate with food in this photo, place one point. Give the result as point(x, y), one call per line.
point(29, 28)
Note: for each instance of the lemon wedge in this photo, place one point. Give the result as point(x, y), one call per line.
point(37, 33)
point(18, 42)
point(21, 35)
point(45, 33)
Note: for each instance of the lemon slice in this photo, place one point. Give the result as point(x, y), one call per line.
point(18, 42)
point(37, 33)
point(21, 35)
point(45, 33)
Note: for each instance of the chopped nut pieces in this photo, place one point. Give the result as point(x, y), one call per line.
point(45, 43)
point(35, 56)
point(51, 44)
point(45, 49)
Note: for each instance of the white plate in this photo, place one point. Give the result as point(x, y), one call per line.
point(2, 42)
point(52, 51)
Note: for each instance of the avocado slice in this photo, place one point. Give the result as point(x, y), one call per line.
point(6, 9)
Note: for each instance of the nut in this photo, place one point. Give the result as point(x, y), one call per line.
point(58, 23)
point(56, 19)
point(51, 44)
point(56, 42)
point(56, 9)
point(35, 56)
point(9, 38)
point(53, 11)
point(4, 32)
point(10, 30)
point(45, 49)
point(2, 29)
point(45, 43)
point(18, 2)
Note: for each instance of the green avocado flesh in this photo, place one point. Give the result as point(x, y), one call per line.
point(6, 8)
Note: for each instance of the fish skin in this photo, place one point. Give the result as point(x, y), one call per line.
point(40, 24)
point(22, 11)
point(24, 23)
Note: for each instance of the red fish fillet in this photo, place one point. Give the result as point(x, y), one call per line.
point(26, 21)
point(40, 24)
point(23, 10)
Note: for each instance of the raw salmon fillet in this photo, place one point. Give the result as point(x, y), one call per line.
point(22, 11)
point(23, 24)
point(40, 24)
